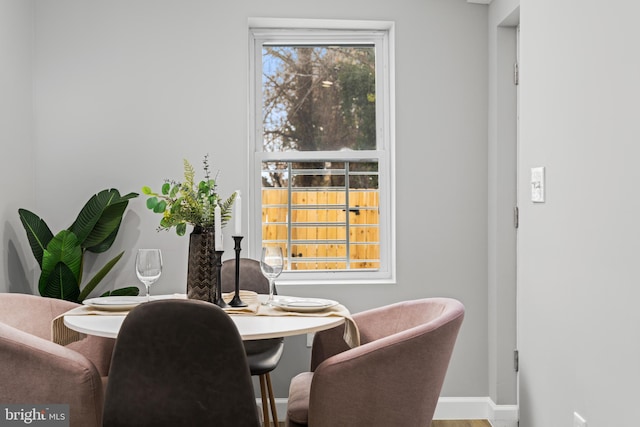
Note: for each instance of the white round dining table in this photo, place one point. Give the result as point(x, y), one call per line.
point(250, 327)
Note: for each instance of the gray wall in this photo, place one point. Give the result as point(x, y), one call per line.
point(16, 139)
point(578, 252)
point(124, 90)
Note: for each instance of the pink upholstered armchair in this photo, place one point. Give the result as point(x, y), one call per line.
point(34, 370)
point(393, 378)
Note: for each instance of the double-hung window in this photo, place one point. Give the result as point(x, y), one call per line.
point(321, 139)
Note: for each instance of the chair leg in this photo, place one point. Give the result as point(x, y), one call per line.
point(265, 406)
point(274, 413)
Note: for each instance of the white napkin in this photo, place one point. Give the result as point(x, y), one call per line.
point(62, 335)
point(351, 333)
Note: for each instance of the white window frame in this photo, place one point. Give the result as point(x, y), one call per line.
point(304, 31)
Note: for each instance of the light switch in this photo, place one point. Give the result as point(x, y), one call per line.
point(537, 185)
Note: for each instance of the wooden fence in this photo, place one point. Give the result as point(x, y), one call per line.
point(321, 236)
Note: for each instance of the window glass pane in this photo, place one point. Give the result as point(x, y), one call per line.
point(324, 214)
point(318, 98)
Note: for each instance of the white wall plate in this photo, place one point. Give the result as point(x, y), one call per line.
point(537, 185)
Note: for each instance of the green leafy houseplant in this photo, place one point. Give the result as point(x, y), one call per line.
point(189, 203)
point(61, 256)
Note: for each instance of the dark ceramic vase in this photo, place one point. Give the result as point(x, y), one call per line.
point(201, 268)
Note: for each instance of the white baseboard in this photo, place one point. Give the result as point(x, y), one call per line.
point(476, 408)
point(281, 408)
point(451, 408)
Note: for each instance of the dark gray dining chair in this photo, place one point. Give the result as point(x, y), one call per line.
point(263, 355)
point(179, 363)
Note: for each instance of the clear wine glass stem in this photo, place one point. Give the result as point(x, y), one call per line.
point(148, 294)
point(270, 300)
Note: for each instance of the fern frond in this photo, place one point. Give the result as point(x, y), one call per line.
point(226, 208)
point(189, 174)
point(187, 189)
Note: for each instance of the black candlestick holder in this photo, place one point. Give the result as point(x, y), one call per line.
point(218, 297)
point(236, 301)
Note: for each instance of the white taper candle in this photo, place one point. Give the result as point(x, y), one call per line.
point(238, 214)
point(217, 218)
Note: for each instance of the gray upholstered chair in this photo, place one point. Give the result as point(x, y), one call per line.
point(35, 370)
point(393, 378)
point(179, 363)
point(263, 355)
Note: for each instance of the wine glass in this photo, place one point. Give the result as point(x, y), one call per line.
point(148, 267)
point(271, 264)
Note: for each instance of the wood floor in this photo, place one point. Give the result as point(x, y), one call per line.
point(461, 423)
point(449, 423)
